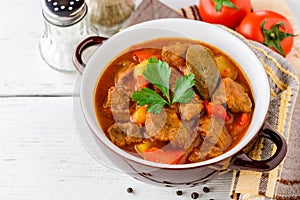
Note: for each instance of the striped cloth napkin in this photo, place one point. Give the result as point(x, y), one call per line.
point(284, 83)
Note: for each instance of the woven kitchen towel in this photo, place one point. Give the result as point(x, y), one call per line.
point(276, 184)
point(284, 181)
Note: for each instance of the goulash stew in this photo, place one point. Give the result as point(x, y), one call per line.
point(174, 101)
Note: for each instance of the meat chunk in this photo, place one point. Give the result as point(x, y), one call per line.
point(116, 135)
point(185, 138)
point(120, 104)
point(206, 151)
point(123, 86)
point(219, 97)
point(215, 140)
point(166, 127)
point(214, 131)
point(162, 126)
point(192, 109)
point(124, 75)
point(124, 134)
point(237, 98)
point(120, 100)
point(132, 132)
point(175, 55)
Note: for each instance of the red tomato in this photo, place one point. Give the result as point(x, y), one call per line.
point(141, 55)
point(227, 16)
point(216, 110)
point(240, 124)
point(160, 156)
point(269, 28)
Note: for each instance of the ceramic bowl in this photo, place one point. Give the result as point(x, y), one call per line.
point(182, 174)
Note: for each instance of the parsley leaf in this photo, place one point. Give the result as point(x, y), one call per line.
point(155, 108)
point(150, 97)
point(158, 73)
point(183, 92)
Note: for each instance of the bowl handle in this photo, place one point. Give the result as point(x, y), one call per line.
point(243, 161)
point(88, 42)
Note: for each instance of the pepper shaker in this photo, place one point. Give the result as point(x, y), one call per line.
point(66, 24)
point(108, 16)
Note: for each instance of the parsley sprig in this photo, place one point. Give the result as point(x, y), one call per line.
point(158, 73)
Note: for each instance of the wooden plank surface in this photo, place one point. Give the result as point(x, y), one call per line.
point(42, 157)
point(22, 70)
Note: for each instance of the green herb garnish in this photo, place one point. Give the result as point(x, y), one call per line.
point(158, 73)
point(147, 96)
point(183, 92)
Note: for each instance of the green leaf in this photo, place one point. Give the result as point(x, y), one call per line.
point(155, 108)
point(274, 36)
point(183, 92)
point(158, 73)
point(149, 97)
point(220, 3)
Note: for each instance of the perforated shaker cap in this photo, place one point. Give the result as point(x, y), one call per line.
point(64, 12)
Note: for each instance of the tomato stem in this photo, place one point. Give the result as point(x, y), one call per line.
point(274, 36)
point(219, 4)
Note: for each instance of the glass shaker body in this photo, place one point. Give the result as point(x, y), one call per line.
point(59, 41)
point(108, 16)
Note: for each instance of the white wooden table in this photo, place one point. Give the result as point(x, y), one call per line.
point(41, 156)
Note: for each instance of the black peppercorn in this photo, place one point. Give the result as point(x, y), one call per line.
point(179, 192)
point(129, 190)
point(194, 195)
point(206, 190)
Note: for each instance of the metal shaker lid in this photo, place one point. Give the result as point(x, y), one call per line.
point(64, 12)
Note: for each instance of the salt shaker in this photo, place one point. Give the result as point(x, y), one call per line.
point(66, 24)
point(108, 16)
